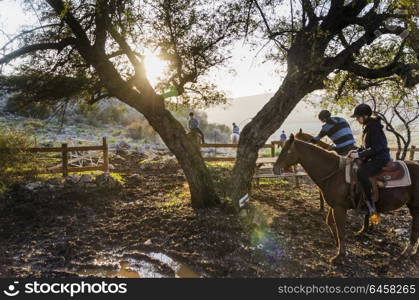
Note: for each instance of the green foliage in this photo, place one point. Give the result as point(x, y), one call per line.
point(18, 105)
point(135, 130)
point(32, 126)
point(395, 104)
point(16, 164)
point(221, 175)
point(43, 89)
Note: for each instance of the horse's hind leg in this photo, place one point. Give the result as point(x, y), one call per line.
point(366, 226)
point(321, 200)
point(412, 247)
point(332, 226)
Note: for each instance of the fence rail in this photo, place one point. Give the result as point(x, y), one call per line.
point(65, 150)
point(270, 146)
point(411, 151)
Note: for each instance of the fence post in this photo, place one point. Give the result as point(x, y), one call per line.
point(65, 160)
point(105, 156)
point(273, 149)
point(412, 153)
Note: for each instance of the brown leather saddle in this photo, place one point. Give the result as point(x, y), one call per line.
point(391, 171)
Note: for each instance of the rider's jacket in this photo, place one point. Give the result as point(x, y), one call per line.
point(339, 131)
point(374, 141)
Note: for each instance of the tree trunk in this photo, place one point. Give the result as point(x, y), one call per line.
point(170, 130)
point(188, 153)
point(254, 135)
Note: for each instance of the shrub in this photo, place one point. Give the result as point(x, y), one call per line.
point(19, 105)
point(16, 164)
point(33, 125)
point(135, 130)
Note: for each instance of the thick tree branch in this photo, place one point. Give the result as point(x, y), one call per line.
point(76, 28)
point(25, 32)
point(37, 47)
point(271, 35)
point(142, 83)
point(100, 22)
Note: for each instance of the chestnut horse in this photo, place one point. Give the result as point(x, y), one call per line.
point(307, 137)
point(325, 168)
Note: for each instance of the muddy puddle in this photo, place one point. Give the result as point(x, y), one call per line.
point(134, 265)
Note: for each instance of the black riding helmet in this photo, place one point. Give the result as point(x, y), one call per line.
point(324, 115)
point(362, 110)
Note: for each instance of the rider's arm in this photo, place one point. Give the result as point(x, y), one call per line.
point(317, 138)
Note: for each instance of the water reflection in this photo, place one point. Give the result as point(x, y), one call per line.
point(136, 268)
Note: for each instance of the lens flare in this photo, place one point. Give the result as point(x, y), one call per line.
point(265, 241)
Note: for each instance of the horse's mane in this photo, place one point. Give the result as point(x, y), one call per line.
point(317, 149)
point(303, 136)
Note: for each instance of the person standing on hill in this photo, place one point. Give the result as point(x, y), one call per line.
point(338, 130)
point(193, 125)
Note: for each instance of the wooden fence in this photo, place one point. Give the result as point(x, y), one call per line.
point(271, 146)
point(410, 153)
point(65, 150)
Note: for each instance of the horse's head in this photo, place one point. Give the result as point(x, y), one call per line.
point(306, 137)
point(288, 156)
point(303, 136)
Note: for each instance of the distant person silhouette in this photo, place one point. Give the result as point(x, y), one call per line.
point(193, 125)
point(282, 139)
point(235, 135)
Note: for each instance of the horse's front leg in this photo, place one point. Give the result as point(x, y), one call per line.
point(330, 221)
point(339, 216)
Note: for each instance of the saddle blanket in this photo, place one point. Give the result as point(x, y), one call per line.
point(404, 181)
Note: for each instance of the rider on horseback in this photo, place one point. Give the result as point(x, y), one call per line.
point(338, 130)
point(374, 153)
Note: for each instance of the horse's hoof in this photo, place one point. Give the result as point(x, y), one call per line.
point(405, 253)
point(337, 258)
point(361, 231)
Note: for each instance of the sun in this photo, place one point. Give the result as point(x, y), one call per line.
point(155, 67)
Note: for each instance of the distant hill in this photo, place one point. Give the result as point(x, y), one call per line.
point(241, 110)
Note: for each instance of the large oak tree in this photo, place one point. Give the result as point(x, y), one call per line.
point(103, 43)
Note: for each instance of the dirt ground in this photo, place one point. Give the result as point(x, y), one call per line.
point(80, 232)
